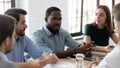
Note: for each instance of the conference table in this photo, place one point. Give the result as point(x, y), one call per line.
point(71, 62)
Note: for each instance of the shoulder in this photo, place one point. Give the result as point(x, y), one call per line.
point(5, 64)
point(112, 56)
point(115, 53)
point(89, 26)
point(63, 32)
point(39, 31)
point(24, 39)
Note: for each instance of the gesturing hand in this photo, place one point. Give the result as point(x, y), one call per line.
point(94, 64)
point(85, 49)
point(51, 58)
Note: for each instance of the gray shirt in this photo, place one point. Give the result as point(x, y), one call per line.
point(4, 63)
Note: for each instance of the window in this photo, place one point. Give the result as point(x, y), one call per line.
point(4, 5)
point(89, 7)
point(117, 1)
point(74, 15)
point(107, 3)
point(81, 12)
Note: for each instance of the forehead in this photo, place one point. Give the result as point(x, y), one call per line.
point(22, 16)
point(100, 10)
point(21, 19)
point(55, 14)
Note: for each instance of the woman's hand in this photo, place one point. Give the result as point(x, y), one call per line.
point(109, 48)
point(94, 64)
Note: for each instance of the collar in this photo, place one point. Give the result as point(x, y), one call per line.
point(47, 32)
point(3, 56)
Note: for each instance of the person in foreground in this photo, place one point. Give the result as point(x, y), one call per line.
point(24, 44)
point(99, 32)
point(51, 38)
point(7, 33)
point(111, 60)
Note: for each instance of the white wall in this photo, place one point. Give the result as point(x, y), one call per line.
point(36, 12)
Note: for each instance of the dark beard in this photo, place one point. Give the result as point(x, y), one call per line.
point(20, 34)
point(52, 30)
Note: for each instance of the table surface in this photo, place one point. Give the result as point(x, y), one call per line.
point(71, 62)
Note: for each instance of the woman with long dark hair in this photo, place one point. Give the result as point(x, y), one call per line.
point(100, 30)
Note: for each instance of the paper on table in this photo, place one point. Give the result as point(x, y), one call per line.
point(55, 66)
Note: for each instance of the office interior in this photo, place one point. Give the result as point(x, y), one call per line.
point(75, 13)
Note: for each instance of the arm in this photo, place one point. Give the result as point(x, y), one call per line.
point(102, 48)
point(99, 48)
point(35, 52)
point(87, 34)
point(94, 64)
point(31, 49)
point(82, 49)
point(38, 39)
point(71, 44)
point(64, 54)
point(38, 63)
point(87, 40)
point(115, 38)
point(41, 42)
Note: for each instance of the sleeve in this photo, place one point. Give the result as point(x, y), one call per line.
point(111, 60)
point(69, 41)
point(38, 40)
point(31, 49)
point(87, 29)
point(4, 64)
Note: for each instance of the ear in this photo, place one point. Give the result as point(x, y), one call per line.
point(46, 19)
point(6, 42)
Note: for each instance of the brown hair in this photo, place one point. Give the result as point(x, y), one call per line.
point(109, 26)
point(7, 25)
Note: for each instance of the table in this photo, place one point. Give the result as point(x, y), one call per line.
point(70, 62)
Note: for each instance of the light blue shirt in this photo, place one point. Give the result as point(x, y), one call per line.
point(23, 44)
point(48, 42)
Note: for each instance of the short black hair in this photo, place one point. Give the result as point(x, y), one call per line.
point(7, 25)
point(15, 12)
point(50, 9)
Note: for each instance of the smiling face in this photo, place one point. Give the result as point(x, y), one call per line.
point(21, 26)
point(100, 17)
point(54, 20)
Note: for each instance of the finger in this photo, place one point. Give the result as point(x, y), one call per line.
point(97, 60)
point(91, 64)
point(55, 58)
